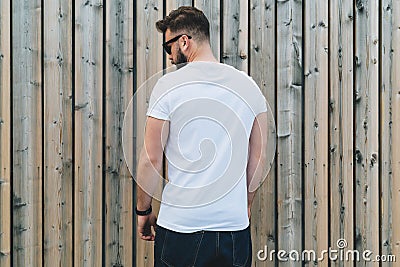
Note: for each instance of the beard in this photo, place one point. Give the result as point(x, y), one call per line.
point(181, 59)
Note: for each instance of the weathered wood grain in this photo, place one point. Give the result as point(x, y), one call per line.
point(235, 34)
point(395, 85)
point(289, 126)
point(149, 50)
point(174, 4)
point(367, 127)
point(119, 214)
point(27, 133)
point(262, 69)
point(341, 82)
point(88, 132)
point(386, 130)
point(212, 10)
point(5, 135)
point(316, 132)
point(58, 184)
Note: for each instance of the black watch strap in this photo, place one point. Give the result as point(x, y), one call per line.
point(143, 212)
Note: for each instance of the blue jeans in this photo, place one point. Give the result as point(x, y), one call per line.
point(204, 248)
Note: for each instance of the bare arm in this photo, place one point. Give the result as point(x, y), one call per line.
point(257, 157)
point(148, 174)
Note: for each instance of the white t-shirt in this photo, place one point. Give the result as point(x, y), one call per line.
point(211, 108)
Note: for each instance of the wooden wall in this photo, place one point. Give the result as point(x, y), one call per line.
point(68, 69)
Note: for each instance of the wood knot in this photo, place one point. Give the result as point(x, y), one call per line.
point(360, 5)
point(358, 156)
point(374, 159)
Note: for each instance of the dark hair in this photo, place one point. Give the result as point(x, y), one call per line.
point(188, 20)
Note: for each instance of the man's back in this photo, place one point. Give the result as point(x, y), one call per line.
point(211, 108)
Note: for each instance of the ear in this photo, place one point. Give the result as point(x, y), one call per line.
point(184, 43)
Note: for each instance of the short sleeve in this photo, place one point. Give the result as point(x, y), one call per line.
point(159, 104)
point(260, 103)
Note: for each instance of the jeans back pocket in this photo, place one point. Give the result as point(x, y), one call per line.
point(181, 249)
point(241, 248)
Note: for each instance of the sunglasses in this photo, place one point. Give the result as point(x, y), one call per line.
point(166, 45)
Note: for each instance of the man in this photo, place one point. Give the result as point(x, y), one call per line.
point(210, 120)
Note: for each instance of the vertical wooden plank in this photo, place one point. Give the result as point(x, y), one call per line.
point(5, 135)
point(119, 91)
point(262, 69)
point(395, 84)
point(57, 133)
point(386, 133)
point(235, 34)
point(88, 132)
point(149, 61)
point(341, 123)
point(212, 11)
point(289, 126)
point(27, 133)
point(316, 181)
point(366, 126)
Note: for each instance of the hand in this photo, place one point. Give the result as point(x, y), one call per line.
point(144, 225)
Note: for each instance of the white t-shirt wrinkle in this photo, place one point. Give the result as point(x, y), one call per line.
point(211, 108)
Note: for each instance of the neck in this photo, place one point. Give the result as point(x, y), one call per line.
point(202, 53)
